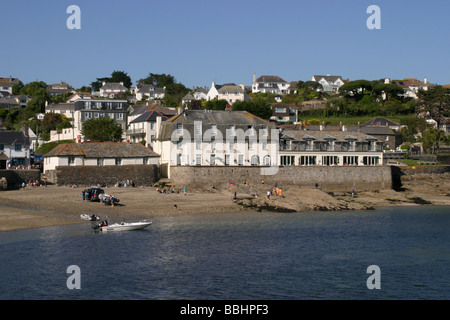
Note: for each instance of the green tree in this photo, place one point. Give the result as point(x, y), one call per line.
point(436, 102)
point(102, 129)
point(159, 80)
point(215, 104)
point(258, 107)
point(392, 91)
point(116, 76)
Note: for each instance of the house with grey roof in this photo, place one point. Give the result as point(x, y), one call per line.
point(14, 149)
point(144, 91)
point(6, 84)
point(271, 84)
point(217, 138)
point(329, 148)
point(99, 154)
point(329, 83)
point(111, 89)
point(61, 88)
point(145, 126)
point(232, 93)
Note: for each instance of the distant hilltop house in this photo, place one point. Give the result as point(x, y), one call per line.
point(148, 92)
point(329, 148)
point(329, 83)
point(61, 88)
point(98, 154)
point(271, 84)
point(213, 92)
point(6, 84)
point(111, 89)
point(216, 138)
point(411, 86)
point(200, 93)
point(232, 93)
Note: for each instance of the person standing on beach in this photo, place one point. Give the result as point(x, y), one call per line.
point(184, 189)
point(82, 195)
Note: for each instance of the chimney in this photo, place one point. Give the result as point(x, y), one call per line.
point(242, 86)
point(387, 81)
point(103, 83)
point(425, 80)
point(121, 82)
point(254, 77)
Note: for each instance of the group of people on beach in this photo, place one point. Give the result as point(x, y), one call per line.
point(34, 183)
point(274, 191)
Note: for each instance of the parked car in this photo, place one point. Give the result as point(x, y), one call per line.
point(93, 193)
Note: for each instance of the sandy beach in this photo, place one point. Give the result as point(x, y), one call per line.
point(56, 205)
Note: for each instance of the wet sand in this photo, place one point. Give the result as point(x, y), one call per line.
point(56, 205)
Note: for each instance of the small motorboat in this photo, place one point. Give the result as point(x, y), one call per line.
point(89, 217)
point(121, 226)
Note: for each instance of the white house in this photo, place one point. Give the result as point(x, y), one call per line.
point(111, 89)
point(271, 84)
point(232, 93)
point(213, 92)
point(219, 138)
point(99, 154)
point(14, 149)
point(411, 86)
point(146, 126)
point(329, 83)
point(200, 93)
point(6, 84)
point(148, 92)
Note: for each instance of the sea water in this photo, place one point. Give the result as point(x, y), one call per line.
point(245, 255)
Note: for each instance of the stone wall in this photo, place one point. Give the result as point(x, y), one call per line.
point(15, 178)
point(145, 175)
point(338, 178)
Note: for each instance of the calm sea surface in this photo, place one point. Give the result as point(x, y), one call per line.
point(264, 256)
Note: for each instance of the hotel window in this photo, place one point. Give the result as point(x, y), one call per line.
point(18, 147)
point(118, 161)
point(145, 160)
point(250, 145)
point(213, 129)
point(71, 160)
point(264, 130)
point(372, 145)
point(309, 144)
point(99, 162)
point(231, 129)
point(330, 145)
point(179, 128)
point(198, 159)
point(198, 127)
point(119, 116)
point(352, 145)
point(198, 145)
point(227, 159)
point(213, 144)
point(241, 160)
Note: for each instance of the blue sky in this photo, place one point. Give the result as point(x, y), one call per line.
point(224, 41)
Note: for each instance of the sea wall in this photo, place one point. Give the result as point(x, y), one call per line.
point(338, 178)
point(140, 175)
point(15, 178)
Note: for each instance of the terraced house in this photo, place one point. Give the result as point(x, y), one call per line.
point(329, 148)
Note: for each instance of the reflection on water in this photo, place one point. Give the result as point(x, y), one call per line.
point(313, 255)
